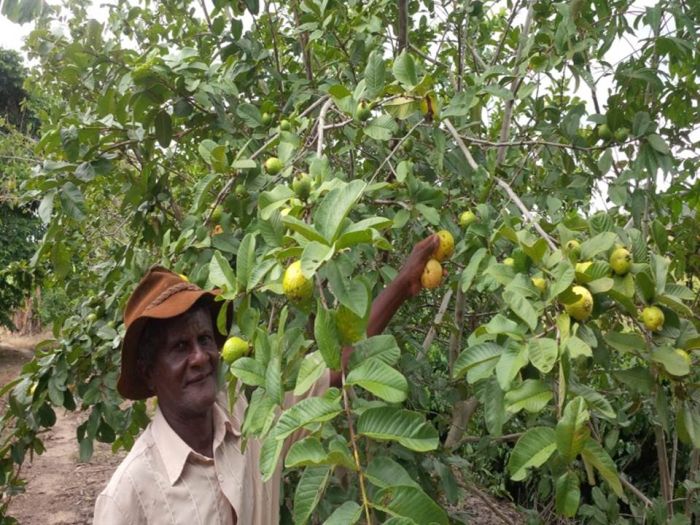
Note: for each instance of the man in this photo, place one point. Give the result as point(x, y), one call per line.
point(188, 467)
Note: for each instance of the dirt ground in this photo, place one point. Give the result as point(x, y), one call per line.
point(61, 491)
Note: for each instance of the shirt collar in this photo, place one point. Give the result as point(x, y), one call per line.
point(175, 452)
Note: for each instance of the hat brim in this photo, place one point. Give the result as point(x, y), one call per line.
point(131, 384)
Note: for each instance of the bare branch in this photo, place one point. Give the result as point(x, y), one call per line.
point(438, 319)
point(321, 127)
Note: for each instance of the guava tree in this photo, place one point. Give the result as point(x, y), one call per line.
point(230, 140)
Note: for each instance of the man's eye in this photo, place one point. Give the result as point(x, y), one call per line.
point(206, 339)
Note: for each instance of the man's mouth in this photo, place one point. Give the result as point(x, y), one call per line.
point(199, 378)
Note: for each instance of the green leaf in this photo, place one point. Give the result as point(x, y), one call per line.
point(201, 192)
point(352, 293)
point(598, 403)
point(384, 472)
point(659, 268)
point(674, 364)
point(311, 369)
point(403, 426)
point(308, 493)
point(335, 207)
point(313, 256)
point(270, 452)
point(404, 70)
point(689, 421)
point(250, 371)
point(273, 379)
point(659, 144)
point(531, 395)
point(380, 379)
point(568, 494)
point(543, 354)
point(577, 348)
point(600, 243)
point(347, 514)
point(626, 342)
point(221, 274)
point(594, 455)
point(310, 452)
point(472, 268)
point(245, 259)
point(460, 104)
point(306, 412)
point(381, 128)
point(476, 355)
point(572, 429)
point(562, 277)
point(382, 347)
point(411, 503)
point(521, 307)
point(512, 360)
point(164, 128)
point(374, 75)
point(72, 201)
point(327, 336)
point(533, 449)
point(304, 229)
point(494, 407)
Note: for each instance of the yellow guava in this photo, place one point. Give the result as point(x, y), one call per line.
point(653, 318)
point(446, 247)
point(432, 274)
point(296, 287)
point(580, 309)
point(234, 348)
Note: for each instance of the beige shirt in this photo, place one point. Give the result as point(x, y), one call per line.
point(163, 481)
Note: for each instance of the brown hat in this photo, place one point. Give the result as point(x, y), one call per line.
point(161, 294)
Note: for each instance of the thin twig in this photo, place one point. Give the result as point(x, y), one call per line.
point(438, 319)
point(526, 213)
point(391, 153)
point(531, 143)
point(634, 490)
point(355, 452)
point(465, 151)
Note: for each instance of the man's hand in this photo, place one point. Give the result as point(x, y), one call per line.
point(411, 271)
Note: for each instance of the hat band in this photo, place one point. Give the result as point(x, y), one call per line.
point(164, 296)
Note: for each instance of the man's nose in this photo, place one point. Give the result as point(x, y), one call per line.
point(199, 354)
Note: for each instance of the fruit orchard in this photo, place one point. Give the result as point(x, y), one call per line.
point(230, 140)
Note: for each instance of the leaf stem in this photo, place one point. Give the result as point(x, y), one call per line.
point(355, 453)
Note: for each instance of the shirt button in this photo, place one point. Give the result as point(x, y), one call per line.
point(221, 478)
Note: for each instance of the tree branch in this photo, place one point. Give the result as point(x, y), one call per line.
point(321, 126)
point(403, 25)
point(438, 319)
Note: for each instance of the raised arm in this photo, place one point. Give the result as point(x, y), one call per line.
point(406, 285)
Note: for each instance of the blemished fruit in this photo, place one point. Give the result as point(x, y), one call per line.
point(540, 284)
point(432, 274)
point(653, 318)
point(296, 287)
point(349, 324)
point(301, 185)
point(273, 165)
point(285, 125)
point(363, 111)
point(446, 247)
point(234, 348)
point(466, 218)
point(573, 247)
point(580, 309)
point(509, 261)
point(218, 230)
point(621, 261)
point(604, 132)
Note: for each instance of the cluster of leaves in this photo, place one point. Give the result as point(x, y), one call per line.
point(154, 135)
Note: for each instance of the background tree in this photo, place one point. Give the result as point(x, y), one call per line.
point(157, 144)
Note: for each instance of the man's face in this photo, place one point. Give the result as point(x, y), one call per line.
point(183, 374)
